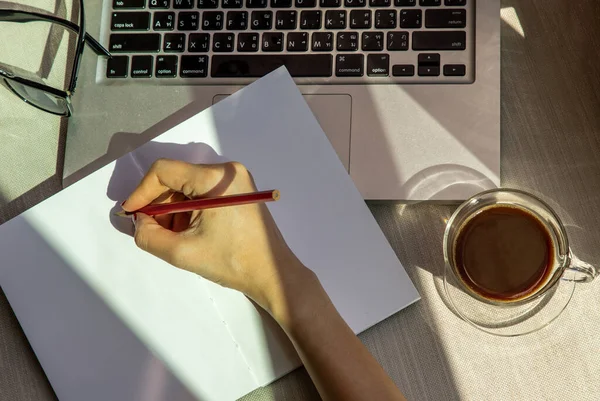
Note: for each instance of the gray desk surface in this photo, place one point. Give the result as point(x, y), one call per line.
point(550, 146)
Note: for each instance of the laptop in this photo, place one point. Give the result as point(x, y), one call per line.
point(407, 91)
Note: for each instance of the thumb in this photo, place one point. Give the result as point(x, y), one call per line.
point(155, 239)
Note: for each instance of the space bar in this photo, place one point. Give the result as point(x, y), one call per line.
point(240, 65)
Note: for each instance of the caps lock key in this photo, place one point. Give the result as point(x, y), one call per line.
point(137, 21)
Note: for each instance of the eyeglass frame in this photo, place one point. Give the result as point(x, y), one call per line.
point(83, 38)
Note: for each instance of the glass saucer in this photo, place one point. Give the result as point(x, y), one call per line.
point(509, 320)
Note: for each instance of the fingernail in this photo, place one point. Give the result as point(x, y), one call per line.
point(122, 203)
point(134, 218)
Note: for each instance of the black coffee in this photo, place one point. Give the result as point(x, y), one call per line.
point(503, 253)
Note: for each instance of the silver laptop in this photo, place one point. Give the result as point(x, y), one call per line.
point(407, 91)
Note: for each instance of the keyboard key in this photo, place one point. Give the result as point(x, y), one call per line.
point(183, 4)
point(189, 21)
point(397, 40)
point(208, 4)
point(410, 18)
point(372, 41)
point(174, 42)
point(262, 20)
point(446, 18)
point(129, 4)
point(212, 20)
point(306, 3)
point(164, 4)
point(286, 19)
point(322, 41)
point(164, 21)
point(360, 19)
point(232, 3)
point(429, 59)
point(378, 65)
point(257, 65)
point(247, 42)
point(349, 65)
point(426, 71)
point(256, 3)
point(439, 40)
point(237, 20)
point(223, 42)
point(194, 67)
point(330, 3)
point(454, 70)
point(272, 42)
point(355, 3)
point(134, 42)
point(405, 3)
point(310, 20)
point(430, 3)
point(403, 70)
point(385, 19)
point(281, 3)
point(455, 2)
point(297, 42)
point(136, 21)
point(347, 41)
point(117, 67)
point(198, 43)
point(379, 3)
point(141, 66)
point(166, 66)
point(335, 19)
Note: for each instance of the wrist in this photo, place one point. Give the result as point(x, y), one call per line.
point(295, 297)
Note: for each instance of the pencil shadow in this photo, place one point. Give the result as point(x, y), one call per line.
point(130, 169)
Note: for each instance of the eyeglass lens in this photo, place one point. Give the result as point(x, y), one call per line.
point(39, 98)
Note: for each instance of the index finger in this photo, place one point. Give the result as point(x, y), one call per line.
point(163, 175)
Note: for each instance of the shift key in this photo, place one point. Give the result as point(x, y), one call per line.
point(439, 40)
point(136, 42)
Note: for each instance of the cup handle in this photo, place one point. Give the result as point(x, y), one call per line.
point(583, 272)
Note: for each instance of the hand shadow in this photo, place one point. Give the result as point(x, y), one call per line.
point(130, 169)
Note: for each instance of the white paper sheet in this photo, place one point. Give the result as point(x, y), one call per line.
point(214, 340)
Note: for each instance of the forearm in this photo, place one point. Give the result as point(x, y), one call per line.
point(339, 364)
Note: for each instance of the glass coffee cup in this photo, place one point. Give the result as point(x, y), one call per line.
point(509, 269)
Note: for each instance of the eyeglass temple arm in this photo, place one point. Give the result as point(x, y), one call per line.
point(27, 16)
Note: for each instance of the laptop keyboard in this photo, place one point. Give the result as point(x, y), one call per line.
point(319, 41)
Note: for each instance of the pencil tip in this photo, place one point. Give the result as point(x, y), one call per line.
point(122, 213)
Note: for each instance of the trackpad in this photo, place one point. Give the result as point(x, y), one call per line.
point(334, 113)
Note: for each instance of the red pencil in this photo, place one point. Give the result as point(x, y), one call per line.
point(205, 203)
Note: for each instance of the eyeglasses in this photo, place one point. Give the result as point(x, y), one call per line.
point(28, 86)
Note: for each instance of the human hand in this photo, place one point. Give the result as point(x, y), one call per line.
point(239, 247)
